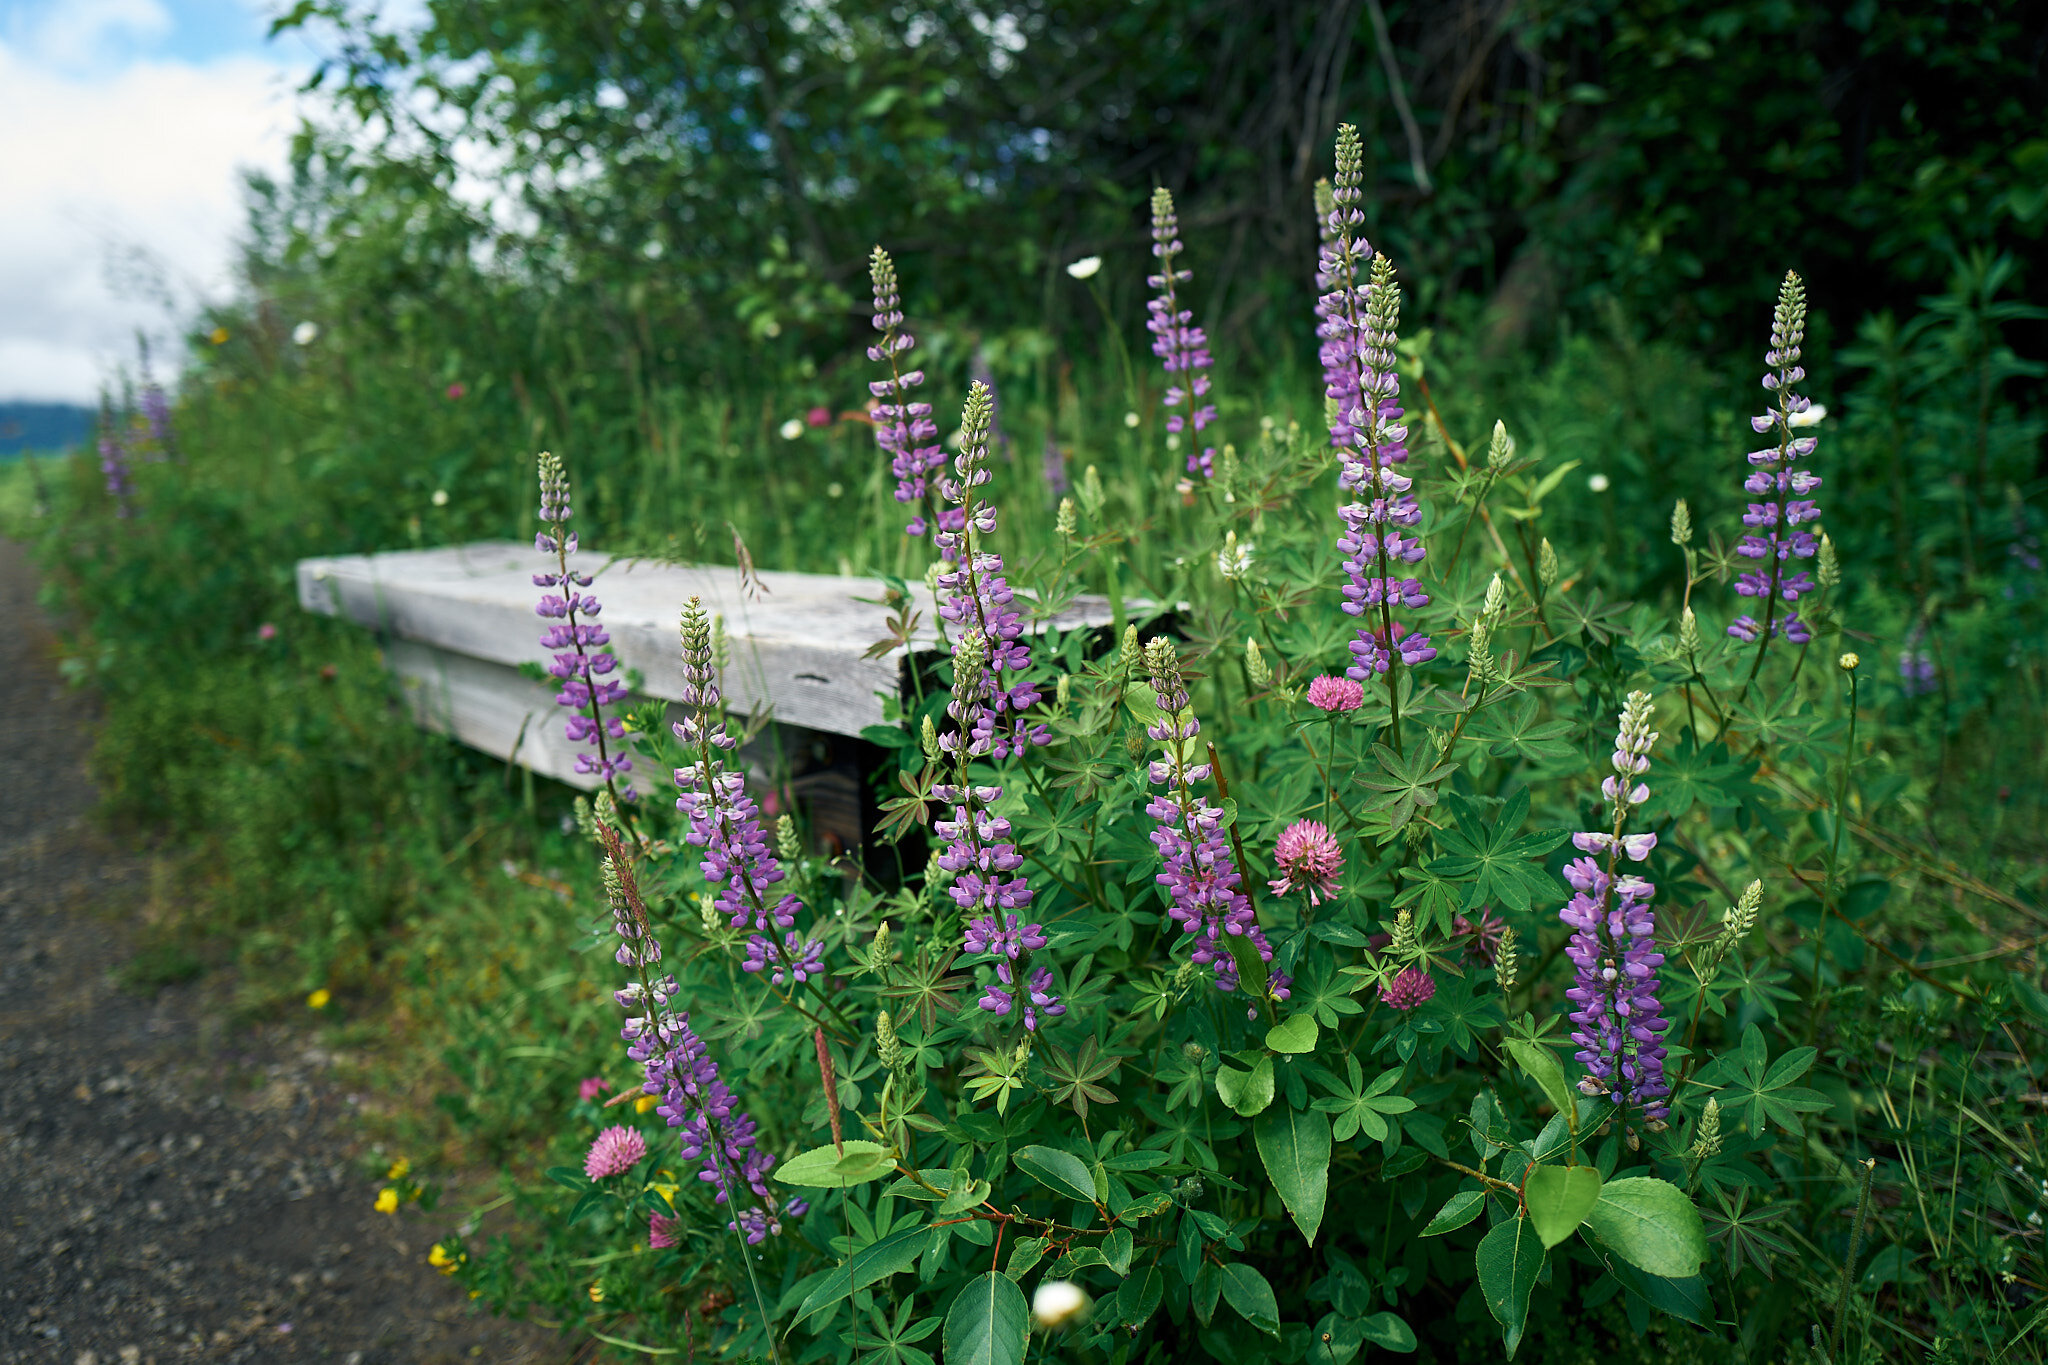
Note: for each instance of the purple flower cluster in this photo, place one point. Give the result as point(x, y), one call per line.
point(903, 429)
point(581, 662)
point(114, 464)
point(1775, 535)
point(726, 822)
point(979, 852)
point(1182, 347)
point(1358, 331)
point(1204, 892)
point(1619, 1021)
point(978, 599)
point(678, 1067)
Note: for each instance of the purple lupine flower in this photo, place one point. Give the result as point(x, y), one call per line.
point(1775, 534)
point(114, 462)
point(986, 642)
point(1203, 890)
point(1053, 463)
point(155, 406)
point(677, 1066)
point(726, 822)
point(1360, 325)
point(1619, 1021)
point(903, 429)
point(581, 662)
point(1334, 263)
point(1182, 347)
point(978, 598)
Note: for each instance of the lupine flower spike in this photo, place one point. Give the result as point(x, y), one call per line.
point(1358, 329)
point(678, 1068)
point(1774, 524)
point(114, 461)
point(1181, 346)
point(1204, 892)
point(978, 852)
point(1619, 1021)
point(581, 660)
point(726, 822)
point(903, 429)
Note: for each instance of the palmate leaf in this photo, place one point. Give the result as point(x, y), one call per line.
point(1495, 860)
point(1761, 1093)
point(1356, 1107)
point(1077, 1077)
point(1745, 1234)
point(1405, 785)
point(1593, 618)
point(1687, 775)
point(1512, 730)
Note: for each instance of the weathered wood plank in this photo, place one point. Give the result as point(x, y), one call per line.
point(459, 621)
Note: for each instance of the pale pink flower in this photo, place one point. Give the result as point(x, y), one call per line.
point(661, 1231)
point(266, 631)
point(1309, 860)
point(618, 1149)
point(590, 1087)
point(1331, 693)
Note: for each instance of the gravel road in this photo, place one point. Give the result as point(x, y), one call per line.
point(169, 1190)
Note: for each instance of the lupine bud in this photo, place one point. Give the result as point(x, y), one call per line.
point(1828, 569)
point(1741, 919)
point(1706, 1141)
point(1689, 633)
point(1131, 657)
point(586, 821)
point(1546, 564)
point(928, 739)
point(1226, 473)
point(1066, 524)
point(1496, 597)
point(878, 952)
point(721, 644)
point(1681, 523)
point(787, 842)
point(888, 1047)
point(1234, 560)
point(1092, 495)
point(1255, 667)
point(932, 574)
point(1501, 449)
point(1404, 943)
point(1504, 961)
point(1063, 691)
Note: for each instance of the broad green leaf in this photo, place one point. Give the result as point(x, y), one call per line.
point(1650, 1224)
point(1295, 1145)
point(1389, 1332)
point(1116, 1251)
point(1559, 1198)
point(1246, 1290)
point(1336, 1340)
point(1247, 1092)
point(1252, 972)
point(1060, 1172)
point(824, 1168)
point(988, 1324)
point(892, 1255)
point(1509, 1259)
point(1295, 1034)
point(1542, 1067)
point(1460, 1209)
point(1139, 1298)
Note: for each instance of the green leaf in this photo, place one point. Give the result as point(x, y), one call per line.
point(1509, 1259)
point(1405, 785)
point(892, 1255)
point(1559, 1198)
point(1060, 1172)
point(1139, 1298)
point(1246, 1290)
point(823, 1167)
point(988, 1323)
point(1460, 1209)
point(1496, 860)
point(1389, 1332)
point(1295, 1034)
point(1295, 1145)
point(1542, 1066)
point(1650, 1224)
point(1116, 1251)
point(1252, 973)
point(1247, 1092)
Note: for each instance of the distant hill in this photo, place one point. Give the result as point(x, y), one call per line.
point(42, 426)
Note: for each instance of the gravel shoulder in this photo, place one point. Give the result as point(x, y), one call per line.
point(170, 1190)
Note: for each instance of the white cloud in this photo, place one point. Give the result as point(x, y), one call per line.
point(115, 175)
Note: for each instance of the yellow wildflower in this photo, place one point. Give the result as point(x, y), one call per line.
point(442, 1261)
point(644, 1103)
point(387, 1200)
point(318, 999)
point(218, 336)
point(399, 1169)
point(597, 1292)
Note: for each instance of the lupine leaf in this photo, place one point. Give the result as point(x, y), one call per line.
point(1495, 860)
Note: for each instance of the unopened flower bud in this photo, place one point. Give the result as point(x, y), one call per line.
point(1829, 569)
point(1092, 495)
point(1063, 691)
point(1706, 1140)
point(1546, 564)
point(1255, 667)
point(1501, 448)
point(1496, 597)
point(1681, 523)
point(1404, 943)
point(932, 572)
point(1131, 657)
point(888, 1047)
point(1067, 524)
point(928, 740)
point(1226, 472)
point(1689, 633)
point(789, 846)
point(1504, 965)
point(1847, 663)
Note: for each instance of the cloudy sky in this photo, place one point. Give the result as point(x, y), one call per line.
point(125, 126)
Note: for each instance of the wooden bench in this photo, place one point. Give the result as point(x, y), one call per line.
point(458, 621)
